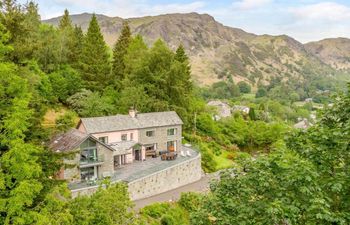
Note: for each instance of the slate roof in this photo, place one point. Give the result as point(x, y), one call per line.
point(67, 141)
point(126, 122)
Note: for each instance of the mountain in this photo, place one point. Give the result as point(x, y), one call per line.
point(333, 51)
point(218, 52)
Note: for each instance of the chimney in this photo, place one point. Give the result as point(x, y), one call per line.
point(132, 112)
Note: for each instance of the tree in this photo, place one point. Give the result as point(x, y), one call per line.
point(65, 21)
point(106, 206)
point(261, 93)
point(95, 67)
point(119, 52)
point(65, 82)
point(244, 87)
point(305, 181)
point(181, 57)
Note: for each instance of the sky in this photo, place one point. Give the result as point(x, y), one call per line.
point(304, 20)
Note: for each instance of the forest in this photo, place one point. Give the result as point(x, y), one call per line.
point(271, 173)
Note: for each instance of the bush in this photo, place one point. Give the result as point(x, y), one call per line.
point(190, 201)
point(244, 87)
point(66, 121)
point(168, 220)
point(261, 93)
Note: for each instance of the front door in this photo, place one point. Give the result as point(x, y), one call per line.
point(137, 155)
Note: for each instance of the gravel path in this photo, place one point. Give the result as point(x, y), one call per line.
point(173, 195)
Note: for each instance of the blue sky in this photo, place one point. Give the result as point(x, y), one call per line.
point(305, 20)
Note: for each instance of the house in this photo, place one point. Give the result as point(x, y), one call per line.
point(308, 100)
point(303, 124)
point(241, 108)
point(103, 144)
point(223, 109)
point(88, 157)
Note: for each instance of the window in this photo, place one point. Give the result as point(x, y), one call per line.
point(103, 139)
point(131, 136)
point(88, 156)
point(150, 133)
point(171, 131)
point(87, 173)
point(124, 137)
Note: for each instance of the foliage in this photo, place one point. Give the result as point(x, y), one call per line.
point(66, 121)
point(94, 64)
point(304, 182)
point(119, 51)
point(244, 87)
point(106, 206)
point(165, 214)
point(65, 82)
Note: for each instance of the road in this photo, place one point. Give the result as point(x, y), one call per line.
point(173, 195)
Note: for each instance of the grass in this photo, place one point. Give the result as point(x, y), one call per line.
point(250, 96)
point(222, 161)
point(52, 114)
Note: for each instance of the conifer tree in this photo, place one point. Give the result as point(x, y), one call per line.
point(76, 47)
point(95, 67)
point(119, 52)
point(65, 21)
point(181, 57)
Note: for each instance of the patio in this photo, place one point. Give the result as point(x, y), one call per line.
point(139, 169)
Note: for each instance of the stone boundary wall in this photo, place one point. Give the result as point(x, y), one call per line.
point(161, 181)
point(165, 180)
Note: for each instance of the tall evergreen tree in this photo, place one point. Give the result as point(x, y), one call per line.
point(181, 57)
point(95, 66)
point(76, 47)
point(65, 21)
point(119, 52)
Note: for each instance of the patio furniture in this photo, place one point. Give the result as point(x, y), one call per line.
point(152, 153)
point(188, 153)
point(183, 154)
point(163, 156)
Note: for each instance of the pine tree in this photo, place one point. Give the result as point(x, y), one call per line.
point(181, 57)
point(65, 22)
point(95, 67)
point(76, 47)
point(119, 52)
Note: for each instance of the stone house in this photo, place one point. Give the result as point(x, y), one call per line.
point(100, 145)
point(223, 109)
point(88, 158)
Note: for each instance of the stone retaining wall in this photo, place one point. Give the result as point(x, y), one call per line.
point(161, 181)
point(165, 180)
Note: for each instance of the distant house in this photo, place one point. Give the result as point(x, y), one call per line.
point(308, 100)
point(223, 109)
point(303, 124)
point(103, 144)
point(241, 108)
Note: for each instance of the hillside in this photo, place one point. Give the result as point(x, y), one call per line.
point(333, 51)
point(217, 51)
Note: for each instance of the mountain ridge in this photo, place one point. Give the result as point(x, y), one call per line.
point(218, 52)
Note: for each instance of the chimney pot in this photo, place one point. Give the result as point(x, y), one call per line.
point(132, 113)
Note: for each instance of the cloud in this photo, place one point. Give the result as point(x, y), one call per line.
point(322, 11)
point(251, 4)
